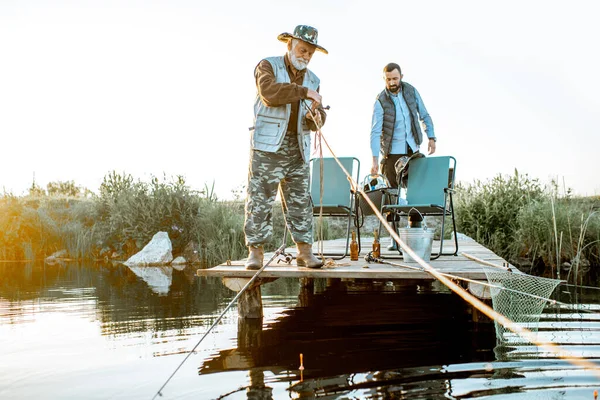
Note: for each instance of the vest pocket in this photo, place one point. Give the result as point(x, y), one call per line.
point(268, 126)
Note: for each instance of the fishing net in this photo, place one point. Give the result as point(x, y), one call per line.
point(517, 303)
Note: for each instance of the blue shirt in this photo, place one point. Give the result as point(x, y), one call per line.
point(402, 133)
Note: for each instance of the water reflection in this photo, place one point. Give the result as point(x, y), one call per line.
point(349, 330)
point(364, 341)
point(158, 278)
point(120, 299)
point(105, 327)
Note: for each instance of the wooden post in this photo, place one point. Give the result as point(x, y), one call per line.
point(306, 291)
point(250, 302)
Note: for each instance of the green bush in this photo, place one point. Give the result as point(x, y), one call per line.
point(125, 215)
point(519, 219)
point(60, 188)
point(488, 211)
point(129, 210)
point(26, 231)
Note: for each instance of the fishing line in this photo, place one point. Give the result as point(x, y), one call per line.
point(581, 286)
point(369, 258)
point(277, 253)
point(507, 268)
point(489, 264)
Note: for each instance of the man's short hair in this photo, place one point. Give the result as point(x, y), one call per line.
point(392, 66)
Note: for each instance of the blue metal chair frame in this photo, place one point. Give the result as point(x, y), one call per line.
point(429, 191)
point(338, 198)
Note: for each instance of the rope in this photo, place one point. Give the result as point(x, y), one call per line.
point(318, 144)
point(320, 245)
point(469, 298)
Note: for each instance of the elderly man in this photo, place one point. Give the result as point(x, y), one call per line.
point(280, 146)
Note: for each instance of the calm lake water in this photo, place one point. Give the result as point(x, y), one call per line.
point(88, 331)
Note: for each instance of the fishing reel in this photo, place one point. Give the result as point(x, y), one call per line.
point(371, 259)
point(285, 257)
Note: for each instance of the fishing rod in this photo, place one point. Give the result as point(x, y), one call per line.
point(278, 252)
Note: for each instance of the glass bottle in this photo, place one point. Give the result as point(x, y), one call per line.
point(353, 248)
point(376, 245)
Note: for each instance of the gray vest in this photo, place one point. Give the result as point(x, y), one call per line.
point(389, 117)
point(270, 123)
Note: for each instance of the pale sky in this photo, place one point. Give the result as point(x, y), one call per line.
point(167, 86)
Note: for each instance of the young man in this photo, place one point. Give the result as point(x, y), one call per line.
point(396, 125)
point(398, 115)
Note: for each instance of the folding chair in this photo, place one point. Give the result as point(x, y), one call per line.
point(429, 191)
point(338, 200)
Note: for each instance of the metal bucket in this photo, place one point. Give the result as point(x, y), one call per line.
point(419, 240)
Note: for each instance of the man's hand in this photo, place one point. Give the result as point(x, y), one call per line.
point(315, 97)
point(431, 146)
point(375, 166)
point(317, 114)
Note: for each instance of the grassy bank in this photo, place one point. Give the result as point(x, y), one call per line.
point(122, 218)
point(539, 227)
point(531, 224)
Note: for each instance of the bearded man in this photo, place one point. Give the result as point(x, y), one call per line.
point(280, 146)
point(398, 114)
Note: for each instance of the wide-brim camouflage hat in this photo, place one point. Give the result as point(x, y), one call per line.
point(305, 33)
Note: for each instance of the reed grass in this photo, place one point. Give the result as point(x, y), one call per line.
point(524, 221)
point(563, 235)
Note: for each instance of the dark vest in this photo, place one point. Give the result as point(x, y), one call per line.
point(389, 117)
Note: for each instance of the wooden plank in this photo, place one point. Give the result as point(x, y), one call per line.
point(454, 265)
point(358, 271)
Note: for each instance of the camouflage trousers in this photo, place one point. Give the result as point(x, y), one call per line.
point(268, 171)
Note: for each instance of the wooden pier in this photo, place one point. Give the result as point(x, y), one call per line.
point(235, 276)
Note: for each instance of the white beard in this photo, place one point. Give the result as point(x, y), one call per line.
point(298, 63)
